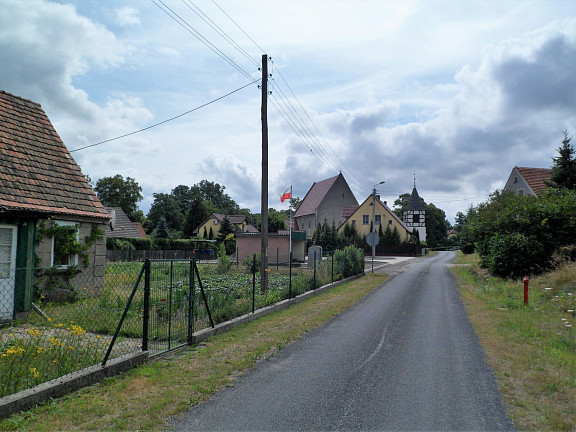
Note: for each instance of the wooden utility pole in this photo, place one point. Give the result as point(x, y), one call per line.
point(264, 202)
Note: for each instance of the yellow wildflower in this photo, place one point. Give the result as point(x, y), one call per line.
point(55, 341)
point(15, 350)
point(34, 332)
point(77, 330)
point(34, 372)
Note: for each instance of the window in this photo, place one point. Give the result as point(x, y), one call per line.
point(353, 222)
point(67, 239)
point(416, 218)
point(389, 221)
point(378, 219)
point(365, 220)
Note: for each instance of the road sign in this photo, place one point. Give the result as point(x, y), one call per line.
point(372, 239)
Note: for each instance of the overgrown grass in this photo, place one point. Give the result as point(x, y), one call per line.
point(145, 397)
point(531, 348)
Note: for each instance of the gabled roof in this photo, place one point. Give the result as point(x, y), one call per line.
point(315, 196)
point(388, 209)
point(536, 178)
point(416, 203)
point(234, 219)
point(38, 174)
point(121, 226)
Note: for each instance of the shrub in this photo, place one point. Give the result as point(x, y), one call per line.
point(515, 235)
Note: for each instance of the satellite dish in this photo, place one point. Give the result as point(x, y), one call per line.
point(112, 219)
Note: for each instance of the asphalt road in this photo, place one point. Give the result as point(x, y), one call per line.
point(404, 358)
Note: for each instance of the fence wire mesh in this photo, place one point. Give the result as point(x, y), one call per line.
point(75, 316)
point(77, 313)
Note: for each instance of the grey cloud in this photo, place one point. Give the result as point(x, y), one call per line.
point(547, 80)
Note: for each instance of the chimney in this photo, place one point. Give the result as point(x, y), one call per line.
point(386, 203)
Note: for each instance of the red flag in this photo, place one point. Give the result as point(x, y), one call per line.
point(286, 195)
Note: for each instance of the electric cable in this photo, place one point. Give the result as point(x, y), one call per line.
point(184, 24)
point(167, 120)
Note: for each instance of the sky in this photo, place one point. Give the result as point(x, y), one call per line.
point(449, 94)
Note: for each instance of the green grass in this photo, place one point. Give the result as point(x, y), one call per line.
point(531, 348)
point(142, 399)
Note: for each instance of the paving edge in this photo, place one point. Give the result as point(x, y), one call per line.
point(63, 385)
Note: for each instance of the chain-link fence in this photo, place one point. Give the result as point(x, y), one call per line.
point(86, 318)
point(74, 316)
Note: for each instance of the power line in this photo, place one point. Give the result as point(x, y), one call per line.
point(194, 8)
point(186, 26)
point(168, 120)
point(240, 28)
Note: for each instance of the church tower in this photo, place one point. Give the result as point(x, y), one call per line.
point(415, 214)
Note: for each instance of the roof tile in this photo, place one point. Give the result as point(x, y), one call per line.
point(38, 172)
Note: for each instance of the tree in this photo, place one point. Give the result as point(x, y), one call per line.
point(165, 205)
point(564, 168)
point(226, 228)
point(161, 230)
point(214, 193)
point(119, 192)
point(436, 226)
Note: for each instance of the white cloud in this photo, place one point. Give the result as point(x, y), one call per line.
point(455, 92)
point(127, 16)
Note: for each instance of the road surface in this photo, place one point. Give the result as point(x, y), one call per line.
point(404, 358)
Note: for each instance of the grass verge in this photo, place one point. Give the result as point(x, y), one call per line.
point(145, 397)
point(531, 349)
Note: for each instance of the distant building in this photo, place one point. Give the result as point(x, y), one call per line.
point(528, 181)
point(361, 219)
point(415, 214)
point(214, 222)
point(120, 226)
point(329, 200)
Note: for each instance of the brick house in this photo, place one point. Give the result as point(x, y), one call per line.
point(42, 188)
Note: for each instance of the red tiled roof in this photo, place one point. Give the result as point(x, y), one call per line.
point(314, 197)
point(536, 178)
point(38, 174)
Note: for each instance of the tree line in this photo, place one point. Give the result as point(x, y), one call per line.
point(178, 213)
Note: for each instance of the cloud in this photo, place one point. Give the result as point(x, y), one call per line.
point(509, 110)
point(127, 16)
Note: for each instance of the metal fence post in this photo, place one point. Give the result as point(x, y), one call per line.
point(191, 302)
point(290, 277)
point(253, 282)
point(146, 323)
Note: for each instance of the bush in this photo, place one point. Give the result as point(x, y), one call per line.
point(518, 235)
point(249, 260)
point(349, 262)
point(113, 243)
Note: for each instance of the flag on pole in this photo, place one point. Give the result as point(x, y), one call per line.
point(286, 195)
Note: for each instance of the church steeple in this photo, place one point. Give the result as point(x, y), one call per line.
point(415, 213)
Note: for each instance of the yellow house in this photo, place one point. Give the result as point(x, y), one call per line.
point(214, 222)
point(362, 218)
